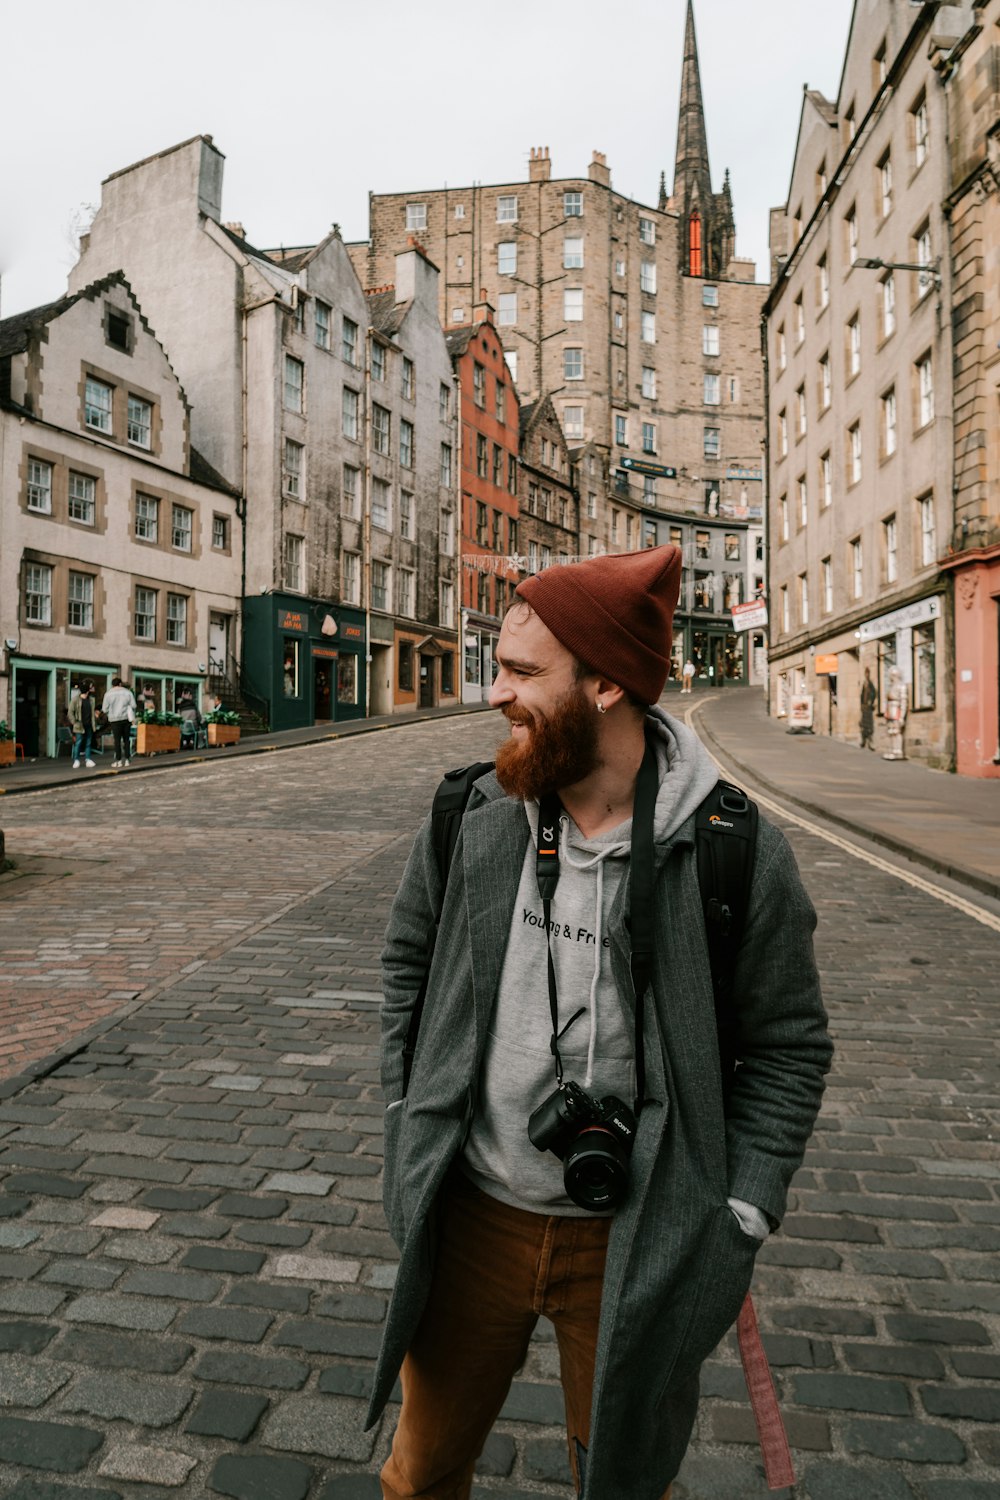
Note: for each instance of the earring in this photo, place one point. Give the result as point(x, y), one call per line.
point(600, 707)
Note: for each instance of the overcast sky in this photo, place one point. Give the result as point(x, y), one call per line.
point(318, 103)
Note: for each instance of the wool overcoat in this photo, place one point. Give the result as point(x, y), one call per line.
point(678, 1265)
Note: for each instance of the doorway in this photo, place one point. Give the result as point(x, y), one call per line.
point(427, 685)
point(218, 644)
point(31, 711)
point(323, 689)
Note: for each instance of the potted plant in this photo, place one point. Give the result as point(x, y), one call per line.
point(156, 732)
point(7, 750)
point(223, 727)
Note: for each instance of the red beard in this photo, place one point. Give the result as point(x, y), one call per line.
point(558, 752)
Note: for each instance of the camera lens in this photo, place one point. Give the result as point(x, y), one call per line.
point(595, 1169)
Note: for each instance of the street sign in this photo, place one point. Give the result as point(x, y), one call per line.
point(639, 466)
point(750, 616)
point(826, 665)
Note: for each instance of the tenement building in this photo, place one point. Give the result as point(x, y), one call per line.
point(639, 320)
point(860, 345)
point(120, 546)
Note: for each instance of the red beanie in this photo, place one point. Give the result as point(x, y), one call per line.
point(614, 613)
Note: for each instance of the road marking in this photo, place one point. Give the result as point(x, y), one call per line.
point(917, 881)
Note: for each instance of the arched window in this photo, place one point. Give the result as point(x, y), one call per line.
point(694, 244)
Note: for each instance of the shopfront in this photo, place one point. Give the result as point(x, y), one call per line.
point(479, 666)
point(305, 660)
point(40, 693)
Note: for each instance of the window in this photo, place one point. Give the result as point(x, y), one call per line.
point(647, 327)
point(378, 361)
point(447, 604)
point(118, 330)
point(80, 606)
point(459, 210)
point(702, 544)
point(497, 466)
point(823, 281)
point(349, 413)
point(803, 501)
point(405, 674)
point(483, 593)
point(648, 382)
point(140, 422)
point(921, 130)
point(416, 216)
point(446, 533)
point(923, 666)
point(39, 486)
point(649, 489)
point(381, 504)
point(885, 185)
point(300, 313)
point(497, 543)
point(849, 121)
point(406, 601)
point(825, 481)
point(482, 456)
point(800, 410)
point(507, 257)
point(710, 339)
point(82, 497)
point(572, 205)
point(444, 402)
point(220, 533)
point(177, 608)
point(803, 599)
point(825, 383)
point(510, 360)
point(888, 305)
point(351, 492)
point(381, 430)
point(647, 231)
point(507, 309)
point(648, 437)
point(925, 390)
point(782, 348)
point(821, 178)
point(181, 521)
point(826, 571)
point(572, 364)
point(857, 569)
point(711, 389)
point(351, 578)
point(145, 614)
point(591, 506)
point(458, 315)
point(879, 67)
point(889, 423)
point(710, 296)
point(711, 442)
point(704, 591)
point(573, 305)
point(532, 498)
point(854, 345)
point(97, 405)
point(445, 469)
point(512, 473)
point(619, 320)
point(321, 325)
point(381, 586)
point(147, 509)
point(782, 434)
point(349, 340)
point(572, 252)
point(928, 543)
point(616, 517)
point(731, 546)
point(294, 547)
point(479, 384)
point(619, 268)
point(573, 421)
point(621, 430)
point(851, 225)
point(647, 276)
point(407, 381)
point(890, 553)
point(783, 512)
point(924, 256)
point(293, 469)
point(786, 623)
point(406, 443)
point(800, 320)
point(854, 451)
point(507, 209)
point(294, 373)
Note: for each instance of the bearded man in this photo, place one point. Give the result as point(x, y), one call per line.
point(518, 1181)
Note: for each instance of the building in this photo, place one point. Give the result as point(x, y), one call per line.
point(550, 507)
point(971, 554)
point(638, 320)
point(121, 548)
point(859, 354)
point(488, 483)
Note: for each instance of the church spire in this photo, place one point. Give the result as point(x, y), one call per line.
point(692, 178)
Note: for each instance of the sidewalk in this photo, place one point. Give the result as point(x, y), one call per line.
point(33, 775)
point(950, 824)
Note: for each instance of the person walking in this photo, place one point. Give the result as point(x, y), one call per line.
point(119, 710)
point(687, 676)
point(532, 1027)
point(81, 720)
point(869, 697)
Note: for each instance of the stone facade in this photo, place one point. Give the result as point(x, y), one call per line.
point(550, 507)
point(120, 548)
point(859, 353)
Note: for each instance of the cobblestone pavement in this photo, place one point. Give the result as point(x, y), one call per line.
point(193, 1261)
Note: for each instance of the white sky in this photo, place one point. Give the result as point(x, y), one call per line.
point(316, 104)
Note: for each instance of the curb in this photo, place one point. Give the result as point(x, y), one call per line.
point(958, 873)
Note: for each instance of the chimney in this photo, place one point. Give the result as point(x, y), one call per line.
point(482, 312)
point(235, 227)
point(539, 165)
point(598, 171)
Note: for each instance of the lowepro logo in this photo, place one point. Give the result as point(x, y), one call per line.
point(720, 822)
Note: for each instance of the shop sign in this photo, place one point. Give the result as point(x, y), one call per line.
point(639, 466)
point(352, 632)
point(917, 613)
point(325, 651)
point(734, 471)
point(292, 619)
point(826, 665)
point(750, 616)
point(800, 711)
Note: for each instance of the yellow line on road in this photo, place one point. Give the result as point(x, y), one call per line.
point(938, 892)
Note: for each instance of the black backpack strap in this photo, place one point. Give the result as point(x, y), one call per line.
point(447, 811)
point(725, 843)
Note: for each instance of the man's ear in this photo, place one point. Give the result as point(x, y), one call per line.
point(609, 692)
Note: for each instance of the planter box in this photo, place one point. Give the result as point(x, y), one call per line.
point(152, 739)
point(7, 752)
point(223, 734)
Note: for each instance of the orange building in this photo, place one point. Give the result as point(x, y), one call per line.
point(488, 480)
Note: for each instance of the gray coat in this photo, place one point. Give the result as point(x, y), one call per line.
point(678, 1262)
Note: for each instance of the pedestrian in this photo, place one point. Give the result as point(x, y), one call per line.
point(81, 718)
point(119, 710)
point(868, 700)
point(687, 675)
point(495, 1225)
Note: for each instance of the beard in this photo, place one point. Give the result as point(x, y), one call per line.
point(559, 750)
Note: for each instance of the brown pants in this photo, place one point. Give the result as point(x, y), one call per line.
point(497, 1270)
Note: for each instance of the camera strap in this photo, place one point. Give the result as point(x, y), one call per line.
point(640, 920)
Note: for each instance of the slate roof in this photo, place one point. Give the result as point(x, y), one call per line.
point(459, 339)
point(202, 472)
point(384, 312)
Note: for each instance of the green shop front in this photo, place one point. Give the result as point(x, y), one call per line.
point(305, 660)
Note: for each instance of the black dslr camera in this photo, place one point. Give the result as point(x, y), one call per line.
point(593, 1139)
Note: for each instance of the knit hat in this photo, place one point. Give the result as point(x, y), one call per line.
point(614, 613)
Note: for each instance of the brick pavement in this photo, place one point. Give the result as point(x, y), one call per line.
point(206, 1170)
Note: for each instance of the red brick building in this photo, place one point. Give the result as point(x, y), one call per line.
point(489, 424)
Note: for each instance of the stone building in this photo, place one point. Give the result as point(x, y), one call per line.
point(550, 507)
point(488, 484)
point(859, 353)
point(274, 350)
point(120, 546)
point(639, 320)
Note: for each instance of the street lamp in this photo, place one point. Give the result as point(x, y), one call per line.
point(928, 269)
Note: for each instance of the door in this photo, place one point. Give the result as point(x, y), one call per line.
point(218, 644)
point(31, 702)
point(427, 694)
point(323, 688)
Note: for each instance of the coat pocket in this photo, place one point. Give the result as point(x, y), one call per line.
point(391, 1173)
point(718, 1289)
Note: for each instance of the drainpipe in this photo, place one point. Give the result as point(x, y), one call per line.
point(765, 495)
point(366, 524)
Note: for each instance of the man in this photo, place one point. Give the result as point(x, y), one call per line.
point(688, 675)
point(119, 710)
point(81, 721)
point(490, 1236)
point(869, 698)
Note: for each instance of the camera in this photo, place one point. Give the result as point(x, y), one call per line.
point(592, 1138)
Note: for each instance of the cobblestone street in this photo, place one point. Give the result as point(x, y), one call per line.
point(194, 1266)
